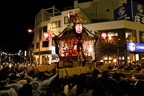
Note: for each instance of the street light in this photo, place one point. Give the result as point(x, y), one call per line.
point(29, 30)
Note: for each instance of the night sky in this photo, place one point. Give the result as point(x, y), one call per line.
point(18, 16)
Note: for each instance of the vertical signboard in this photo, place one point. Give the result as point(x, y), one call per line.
point(138, 12)
point(123, 12)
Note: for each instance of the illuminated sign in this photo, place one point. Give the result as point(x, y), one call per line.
point(46, 35)
point(135, 47)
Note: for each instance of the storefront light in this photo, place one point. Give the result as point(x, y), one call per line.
point(101, 60)
point(105, 58)
point(114, 60)
point(128, 58)
point(110, 58)
point(110, 38)
point(122, 58)
point(137, 56)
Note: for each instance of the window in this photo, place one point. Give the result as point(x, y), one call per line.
point(37, 45)
point(45, 43)
point(56, 24)
point(65, 19)
point(44, 28)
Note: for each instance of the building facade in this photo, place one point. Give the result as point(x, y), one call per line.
point(99, 18)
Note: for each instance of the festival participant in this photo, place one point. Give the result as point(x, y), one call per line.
point(40, 86)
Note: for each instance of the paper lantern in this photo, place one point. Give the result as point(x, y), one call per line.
point(69, 15)
point(103, 35)
point(78, 28)
point(46, 35)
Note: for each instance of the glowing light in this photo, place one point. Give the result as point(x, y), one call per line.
point(75, 48)
point(103, 35)
point(46, 35)
point(78, 28)
point(114, 60)
point(89, 48)
point(110, 37)
point(101, 60)
point(30, 30)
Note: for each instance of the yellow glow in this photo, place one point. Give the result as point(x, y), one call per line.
point(110, 37)
point(114, 60)
point(101, 60)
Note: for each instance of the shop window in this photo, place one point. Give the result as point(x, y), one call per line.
point(45, 43)
point(56, 24)
point(130, 36)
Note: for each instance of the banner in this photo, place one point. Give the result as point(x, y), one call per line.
point(123, 13)
point(135, 47)
point(132, 11)
point(138, 13)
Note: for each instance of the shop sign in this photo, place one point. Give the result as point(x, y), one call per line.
point(135, 47)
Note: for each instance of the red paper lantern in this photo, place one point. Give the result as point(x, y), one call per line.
point(69, 15)
point(78, 28)
point(103, 35)
point(46, 35)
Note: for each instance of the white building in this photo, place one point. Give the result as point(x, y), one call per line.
point(99, 15)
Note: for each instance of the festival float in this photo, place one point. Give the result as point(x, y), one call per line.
point(75, 43)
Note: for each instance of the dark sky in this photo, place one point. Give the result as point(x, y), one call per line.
point(17, 16)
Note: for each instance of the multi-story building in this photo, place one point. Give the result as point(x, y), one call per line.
point(99, 16)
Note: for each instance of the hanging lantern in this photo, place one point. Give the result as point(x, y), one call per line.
point(46, 35)
point(69, 15)
point(103, 35)
point(78, 28)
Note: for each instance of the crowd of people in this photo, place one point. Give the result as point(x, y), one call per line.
point(15, 82)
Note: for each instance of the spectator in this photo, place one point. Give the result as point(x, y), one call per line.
point(4, 89)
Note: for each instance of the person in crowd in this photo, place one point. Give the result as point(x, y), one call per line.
point(42, 84)
point(26, 90)
point(4, 89)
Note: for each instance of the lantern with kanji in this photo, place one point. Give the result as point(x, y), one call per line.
point(78, 28)
point(46, 35)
